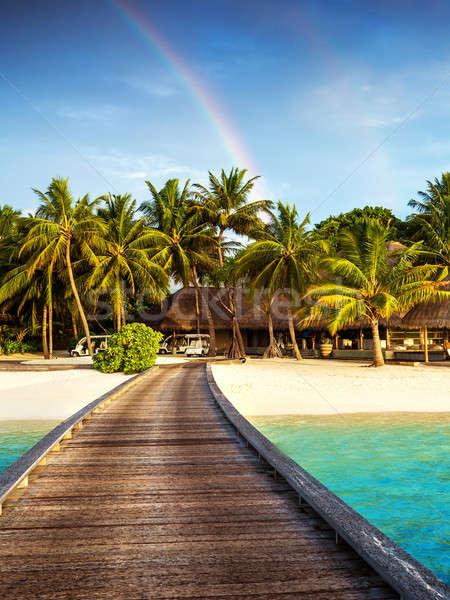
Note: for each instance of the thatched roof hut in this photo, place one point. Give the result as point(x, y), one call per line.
point(179, 311)
point(429, 314)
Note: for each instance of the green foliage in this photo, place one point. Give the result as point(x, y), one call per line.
point(132, 350)
point(371, 279)
point(431, 222)
point(13, 346)
point(284, 255)
point(331, 228)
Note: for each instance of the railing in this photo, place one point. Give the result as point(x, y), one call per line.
point(16, 475)
point(400, 570)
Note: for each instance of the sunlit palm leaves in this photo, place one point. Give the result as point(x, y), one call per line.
point(368, 281)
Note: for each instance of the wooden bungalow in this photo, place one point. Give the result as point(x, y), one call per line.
point(418, 335)
point(425, 330)
point(183, 312)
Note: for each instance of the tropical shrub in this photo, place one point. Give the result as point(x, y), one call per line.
point(132, 350)
point(13, 346)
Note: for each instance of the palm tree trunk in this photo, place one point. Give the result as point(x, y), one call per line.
point(219, 248)
point(240, 339)
point(77, 299)
point(197, 310)
point(234, 350)
point(74, 326)
point(297, 353)
point(212, 331)
point(44, 331)
point(237, 349)
point(272, 350)
point(50, 330)
point(117, 307)
point(378, 359)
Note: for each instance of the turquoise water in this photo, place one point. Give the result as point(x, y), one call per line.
point(16, 437)
point(392, 468)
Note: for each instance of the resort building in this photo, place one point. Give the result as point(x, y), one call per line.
point(420, 334)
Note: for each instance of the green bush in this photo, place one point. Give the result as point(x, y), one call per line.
point(12, 346)
point(132, 350)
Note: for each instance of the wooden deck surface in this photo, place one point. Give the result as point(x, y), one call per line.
point(157, 497)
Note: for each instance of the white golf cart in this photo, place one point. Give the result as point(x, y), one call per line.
point(198, 344)
point(99, 343)
point(166, 346)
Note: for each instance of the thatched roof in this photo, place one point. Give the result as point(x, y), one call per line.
point(430, 314)
point(394, 321)
point(179, 312)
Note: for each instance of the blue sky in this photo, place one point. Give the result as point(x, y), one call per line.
point(338, 103)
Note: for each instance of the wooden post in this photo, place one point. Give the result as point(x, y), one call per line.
point(174, 347)
point(388, 338)
point(313, 339)
point(361, 340)
point(425, 341)
point(336, 341)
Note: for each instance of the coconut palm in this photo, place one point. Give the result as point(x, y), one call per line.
point(372, 282)
point(60, 223)
point(432, 219)
point(121, 255)
point(282, 260)
point(224, 204)
point(33, 292)
point(181, 243)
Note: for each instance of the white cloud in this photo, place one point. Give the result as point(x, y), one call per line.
point(105, 112)
point(353, 103)
point(158, 88)
point(141, 167)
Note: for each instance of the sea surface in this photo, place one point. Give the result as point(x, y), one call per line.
point(16, 437)
point(393, 468)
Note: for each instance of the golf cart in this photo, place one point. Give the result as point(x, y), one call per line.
point(198, 344)
point(166, 346)
point(99, 343)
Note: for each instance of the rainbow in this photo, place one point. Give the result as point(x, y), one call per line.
point(205, 101)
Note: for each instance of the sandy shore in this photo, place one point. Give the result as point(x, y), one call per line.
point(51, 395)
point(314, 387)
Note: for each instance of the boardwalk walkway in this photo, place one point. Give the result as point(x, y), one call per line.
point(158, 498)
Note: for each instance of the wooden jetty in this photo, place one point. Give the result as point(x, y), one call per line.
point(158, 496)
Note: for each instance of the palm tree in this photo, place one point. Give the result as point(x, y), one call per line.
point(281, 260)
point(33, 292)
point(121, 255)
point(181, 244)
point(373, 282)
point(225, 205)
point(432, 219)
point(59, 223)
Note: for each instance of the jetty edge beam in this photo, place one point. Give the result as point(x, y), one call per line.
point(406, 575)
point(16, 475)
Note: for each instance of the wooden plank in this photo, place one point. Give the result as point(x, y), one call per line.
point(157, 497)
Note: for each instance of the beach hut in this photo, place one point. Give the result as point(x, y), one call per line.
point(183, 312)
point(428, 325)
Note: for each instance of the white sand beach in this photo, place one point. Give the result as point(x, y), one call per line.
point(320, 387)
point(49, 395)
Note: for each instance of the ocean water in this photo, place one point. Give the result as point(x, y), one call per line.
point(393, 468)
point(16, 437)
